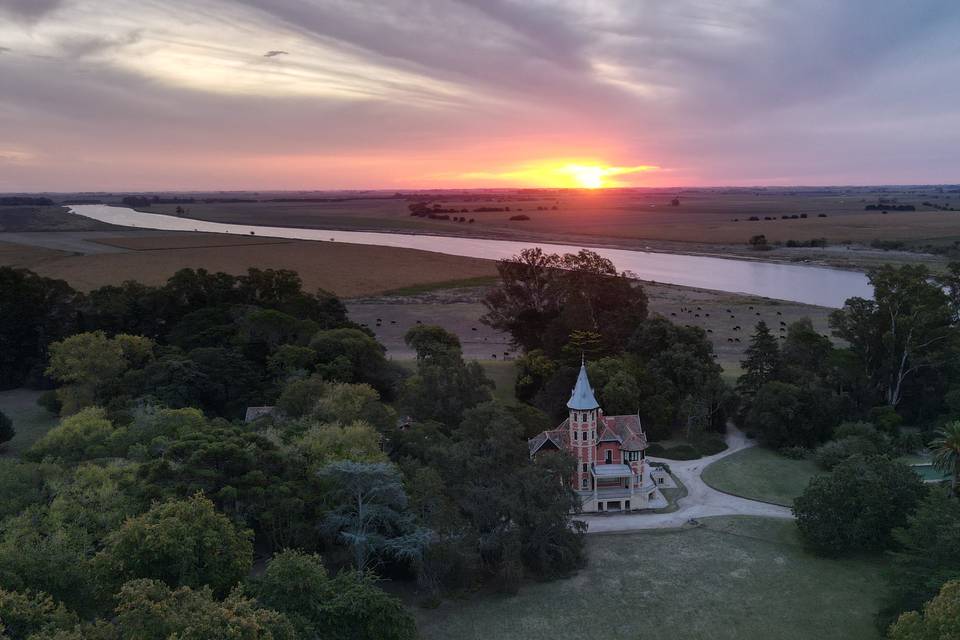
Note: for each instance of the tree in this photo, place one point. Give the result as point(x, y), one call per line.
point(34, 311)
point(805, 352)
point(857, 505)
point(151, 610)
point(323, 443)
point(6, 429)
point(23, 614)
point(368, 513)
point(348, 607)
point(444, 387)
point(181, 543)
point(940, 619)
point(927, 554)
point(544, 298)
point(90, 366)
point(946, 452)
point(904, 330)
point(350, 355)
point(300, 396)
point(430, 341)
point(785, 414)
point(762, 361)
point(86, 435)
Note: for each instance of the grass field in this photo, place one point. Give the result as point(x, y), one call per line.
point(30, 420)
point(743, 578)
point(703, 216)
point(504, 375)
point(761, 474)
point(345, 269)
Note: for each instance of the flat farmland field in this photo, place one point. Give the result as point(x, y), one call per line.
point(345, 269)
point(625, 217)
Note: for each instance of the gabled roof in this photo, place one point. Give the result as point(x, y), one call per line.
point(629, 431)
point(556, 438)
point(582, 398)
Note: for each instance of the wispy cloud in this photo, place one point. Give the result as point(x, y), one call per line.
point(745, 91)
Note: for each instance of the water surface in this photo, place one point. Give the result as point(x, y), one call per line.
point(809, 285)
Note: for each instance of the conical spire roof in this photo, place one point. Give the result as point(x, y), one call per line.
point(582, 397)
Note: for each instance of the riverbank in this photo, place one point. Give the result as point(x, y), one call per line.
point(799, 283)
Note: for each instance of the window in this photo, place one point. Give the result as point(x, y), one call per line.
point(584, 484)
point(584, 435)
point(609, 457)
point(575, 434)
point(584, 467)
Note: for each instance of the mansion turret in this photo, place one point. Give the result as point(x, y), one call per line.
point(612, 472)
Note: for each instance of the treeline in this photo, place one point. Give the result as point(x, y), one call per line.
point(152, 383)
point(15, 201)
point(885, 206)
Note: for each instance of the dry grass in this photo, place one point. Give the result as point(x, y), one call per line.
point(345, 269)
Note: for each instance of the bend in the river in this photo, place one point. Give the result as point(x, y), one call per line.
point(806, 284)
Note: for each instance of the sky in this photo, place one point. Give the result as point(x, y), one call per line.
point(99, 95)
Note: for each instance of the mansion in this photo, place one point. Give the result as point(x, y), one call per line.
point(612, 473)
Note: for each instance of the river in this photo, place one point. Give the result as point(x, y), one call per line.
point(810, 285)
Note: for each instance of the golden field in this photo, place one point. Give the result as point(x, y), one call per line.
point(346, 270)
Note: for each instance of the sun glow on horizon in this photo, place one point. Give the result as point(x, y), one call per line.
point(579, 174)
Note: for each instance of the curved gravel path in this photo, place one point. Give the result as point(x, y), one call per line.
point(701, 501)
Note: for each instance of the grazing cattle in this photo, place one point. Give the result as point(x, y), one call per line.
point(473, 328)
point(673, 314)
point(696, 315)
point(729, 339)
point(709, 330)
point(736, 339)
point(779, 314)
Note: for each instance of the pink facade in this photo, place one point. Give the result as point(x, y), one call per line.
point(609, 450)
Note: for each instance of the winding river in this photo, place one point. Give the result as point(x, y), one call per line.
point(810, 285)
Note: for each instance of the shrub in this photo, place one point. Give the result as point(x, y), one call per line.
point(678, 452)
point(49, 401)
point(829, 455)
point(794, 453)
point(711, 444)
point(522, 216)
point(6, 428)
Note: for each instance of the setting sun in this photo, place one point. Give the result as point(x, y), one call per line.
point(587, 177)
point(568, 173)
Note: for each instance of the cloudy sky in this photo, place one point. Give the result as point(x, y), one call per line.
point(319, 94)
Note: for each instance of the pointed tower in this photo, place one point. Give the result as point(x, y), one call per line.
point(583, 424)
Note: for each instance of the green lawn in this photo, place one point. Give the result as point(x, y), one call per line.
point(30, 420)
point(761, 474)
point(504, 375)
point(744, 578)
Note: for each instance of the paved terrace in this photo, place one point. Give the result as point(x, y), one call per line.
point(701, 500)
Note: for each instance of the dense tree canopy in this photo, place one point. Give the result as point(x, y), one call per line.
point(856, 506)
point(544, 298)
